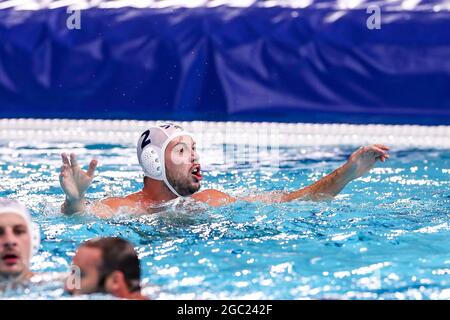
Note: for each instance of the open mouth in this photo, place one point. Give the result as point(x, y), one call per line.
point(196, 172)
point(10, 259)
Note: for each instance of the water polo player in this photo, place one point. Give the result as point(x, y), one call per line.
point(168, 157)
point(19, 240)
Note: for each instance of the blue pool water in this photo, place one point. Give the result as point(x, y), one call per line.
point(386, 236)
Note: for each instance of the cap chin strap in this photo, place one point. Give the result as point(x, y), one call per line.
point(171, 188)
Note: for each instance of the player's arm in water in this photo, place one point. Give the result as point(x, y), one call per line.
point(74, 181)
point(359, 163)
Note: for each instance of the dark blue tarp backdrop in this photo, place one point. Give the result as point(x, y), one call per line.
point(280, 64)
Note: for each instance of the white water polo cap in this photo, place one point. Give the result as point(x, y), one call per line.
point(151, 148)
point(15, 207)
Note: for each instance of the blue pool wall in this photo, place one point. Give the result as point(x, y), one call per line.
point(316, 64)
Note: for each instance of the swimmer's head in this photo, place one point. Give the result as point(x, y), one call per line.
point(107, 265)
point(19, 238)
point(168, 153)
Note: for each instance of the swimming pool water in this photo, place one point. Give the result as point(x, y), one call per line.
point(386, 236)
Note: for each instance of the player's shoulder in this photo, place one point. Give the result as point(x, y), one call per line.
point(116, 202)
point(213, 197)
point(208, 193)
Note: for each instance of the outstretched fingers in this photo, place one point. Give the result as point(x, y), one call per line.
point(65, 159)
point(92, 167)
point(73, 160)
point(63, 173)
point(380, 152)
point(382, 147)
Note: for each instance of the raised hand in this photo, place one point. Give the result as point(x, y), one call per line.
point(364, 159)
point(74, 181)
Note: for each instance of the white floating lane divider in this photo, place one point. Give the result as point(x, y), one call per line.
point(207, 132)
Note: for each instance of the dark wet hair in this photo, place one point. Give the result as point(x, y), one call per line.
point(117, 255)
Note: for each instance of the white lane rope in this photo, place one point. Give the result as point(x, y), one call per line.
point(250, 133)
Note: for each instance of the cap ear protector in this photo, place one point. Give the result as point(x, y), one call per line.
point(151, 149)
point(151, 162)
point(15, 207)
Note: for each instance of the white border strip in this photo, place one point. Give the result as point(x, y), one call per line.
point(282, 134)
